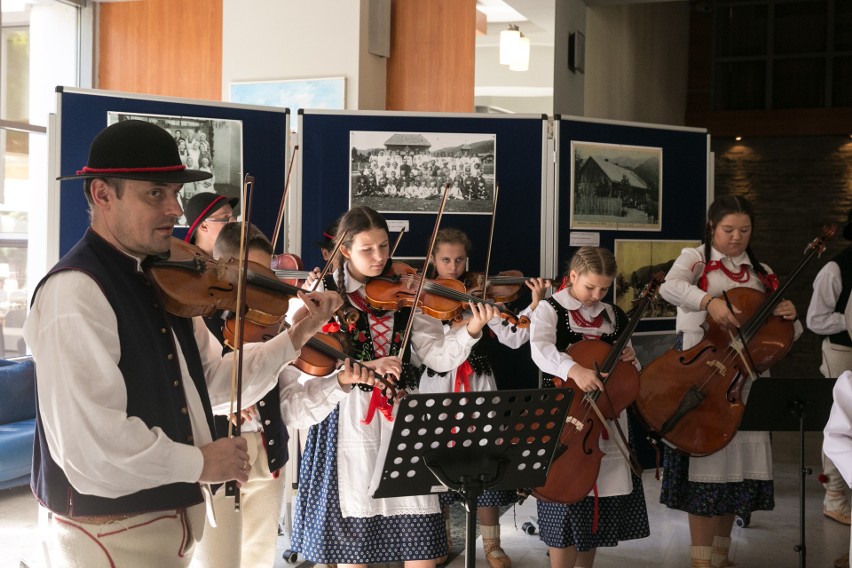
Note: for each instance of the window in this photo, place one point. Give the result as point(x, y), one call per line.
point(774, 54)
point(38, 50)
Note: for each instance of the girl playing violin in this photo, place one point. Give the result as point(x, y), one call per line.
point(337, 521)
point(616, 511)
point(737, 479)
point(449, 257)
point(248, 537)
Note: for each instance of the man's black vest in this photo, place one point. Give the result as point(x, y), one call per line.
point(844, 261)
point(152, 376)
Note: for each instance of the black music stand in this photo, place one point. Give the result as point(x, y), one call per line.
point(791, 405)
point(471, 442)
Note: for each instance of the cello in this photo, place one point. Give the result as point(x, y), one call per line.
point(693, 399)
point(577, 460)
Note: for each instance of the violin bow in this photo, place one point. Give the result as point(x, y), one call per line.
point(408, 327)
point(490, 241)
point(330, 261)
point(239, 327)
point(396, 243)
point(280, 221)
point(626, 451)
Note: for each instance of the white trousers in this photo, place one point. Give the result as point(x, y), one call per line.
point(162, 538)
point(248, 538)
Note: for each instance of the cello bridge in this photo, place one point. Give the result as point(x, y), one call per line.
point(718, 366)
point(578, 424)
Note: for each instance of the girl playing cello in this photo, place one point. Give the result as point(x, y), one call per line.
point(449, 257)
point(617, 510)
point(337, 520)
point(737, 479)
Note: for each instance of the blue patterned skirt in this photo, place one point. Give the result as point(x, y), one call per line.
point(711, 499)
point(323, 535)
point(622, 517)
point(489, 498)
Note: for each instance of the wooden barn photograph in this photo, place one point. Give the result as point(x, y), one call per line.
point(407, 172)
point(638, 261)
point(616, 187)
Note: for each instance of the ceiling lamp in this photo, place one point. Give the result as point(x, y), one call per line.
point(521, 59)
point(508, 39)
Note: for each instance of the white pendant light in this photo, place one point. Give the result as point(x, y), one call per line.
point(508, 42)
point(521, 57)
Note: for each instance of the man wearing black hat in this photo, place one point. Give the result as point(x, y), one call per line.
point(827, 316)
point(124, 443)
point(206, 214)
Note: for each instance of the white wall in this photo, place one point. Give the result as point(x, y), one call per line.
point(636, 62)
point(296, 39)
point(568, 86)
point(528, 91)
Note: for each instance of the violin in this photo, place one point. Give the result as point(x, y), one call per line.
point(289, 268)
point(502, 288)
point(442, 298)
point(694, 398)
point(577, 462)
point(193, 284)
point(320, 355)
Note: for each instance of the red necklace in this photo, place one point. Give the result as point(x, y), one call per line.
point(740, 276)
point(583, 322)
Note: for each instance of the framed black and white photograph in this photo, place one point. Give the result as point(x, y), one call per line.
point(207, 144)
point(616, 187)
point(406, 172)
point(637, 262)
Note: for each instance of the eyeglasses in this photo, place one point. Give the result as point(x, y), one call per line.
point(228, 219)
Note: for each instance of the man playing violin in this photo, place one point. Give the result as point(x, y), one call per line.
point(124, 445)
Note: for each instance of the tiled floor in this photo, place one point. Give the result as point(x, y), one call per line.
point(767, 542)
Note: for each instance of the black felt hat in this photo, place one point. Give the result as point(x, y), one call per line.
point(135, 149)
point(201, 206)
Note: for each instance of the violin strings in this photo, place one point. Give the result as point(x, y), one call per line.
point(332, 352)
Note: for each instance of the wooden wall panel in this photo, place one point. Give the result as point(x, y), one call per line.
point(161, 47)
point(432, 62)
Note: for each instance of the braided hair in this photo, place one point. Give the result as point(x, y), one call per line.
point(596, 260)
point(355, 221)
point(719, 209)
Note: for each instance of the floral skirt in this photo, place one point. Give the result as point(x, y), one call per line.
point(711, 499)
point(622, 517)
point(323, 535)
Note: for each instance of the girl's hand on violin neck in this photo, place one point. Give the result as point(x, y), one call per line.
point(246, 415)
point(318, 308)
point(785, 309)
point(586, 379)
point(312, 277)
point(386, 366)
point(537, 288)
point(717, 310)
point(353, 373)
point(482, 314)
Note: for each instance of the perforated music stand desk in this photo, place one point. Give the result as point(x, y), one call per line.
point(790, 405)
point(470, 442)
